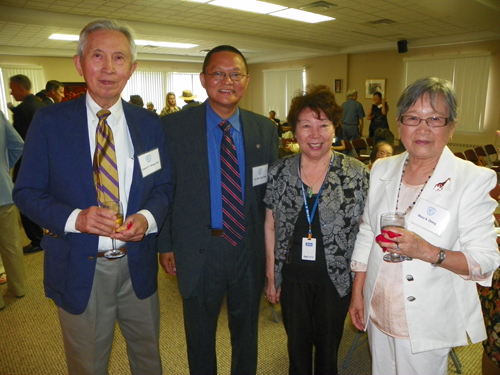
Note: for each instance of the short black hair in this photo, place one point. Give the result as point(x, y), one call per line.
point(223, 48)
point(53, 85)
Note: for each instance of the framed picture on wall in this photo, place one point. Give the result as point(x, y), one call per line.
point(73, 90)
point(338, 86)
point(374, 85)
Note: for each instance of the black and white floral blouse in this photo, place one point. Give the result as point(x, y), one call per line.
point(340, 208)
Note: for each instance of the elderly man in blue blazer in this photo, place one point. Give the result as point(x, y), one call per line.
point(59, 184)
point(212, 241)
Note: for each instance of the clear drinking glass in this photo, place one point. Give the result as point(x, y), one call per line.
point(393, 219)
point(117, 207)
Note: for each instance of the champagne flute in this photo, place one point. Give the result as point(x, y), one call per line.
point(117, 207)
point(393, 219)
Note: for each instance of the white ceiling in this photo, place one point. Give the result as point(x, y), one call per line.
point(26, 25)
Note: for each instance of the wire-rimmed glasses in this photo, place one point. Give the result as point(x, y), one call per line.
point(432, 122)
point(219, 76)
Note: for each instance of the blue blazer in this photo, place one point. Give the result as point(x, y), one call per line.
point(56, 177)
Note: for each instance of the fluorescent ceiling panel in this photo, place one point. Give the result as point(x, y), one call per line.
point(300, 15)
point(64, 37)
point(248, 5)
point(164, 44)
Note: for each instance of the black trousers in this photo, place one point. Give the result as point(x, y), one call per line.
point(313, 315)
point(227, 271)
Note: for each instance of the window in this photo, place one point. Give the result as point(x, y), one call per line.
point(280, 86)
point(153, 87)
point(469, 74)
point(34, 73)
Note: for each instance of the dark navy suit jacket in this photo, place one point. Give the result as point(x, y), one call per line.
point(56, 177)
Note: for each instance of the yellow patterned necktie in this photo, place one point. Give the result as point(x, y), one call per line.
point(105, 168)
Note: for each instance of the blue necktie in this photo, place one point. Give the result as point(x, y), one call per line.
point(232, 201)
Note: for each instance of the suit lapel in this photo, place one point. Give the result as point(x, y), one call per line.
point(75, 132)
point(251, 142)
point(390, 180)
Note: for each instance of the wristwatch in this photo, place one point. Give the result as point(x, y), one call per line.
point(441, 257)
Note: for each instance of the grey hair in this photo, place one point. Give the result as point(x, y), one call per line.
point(351, 93)
point(432, 86)
point(105, 24)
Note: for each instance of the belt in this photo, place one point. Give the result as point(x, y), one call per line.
point(217, 232)
point(100, 254)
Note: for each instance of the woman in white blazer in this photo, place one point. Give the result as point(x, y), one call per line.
point(416, 310)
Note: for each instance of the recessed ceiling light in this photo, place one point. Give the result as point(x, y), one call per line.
point(73, 38)
point(164, 44)
point(300, 15)
point(248, 5)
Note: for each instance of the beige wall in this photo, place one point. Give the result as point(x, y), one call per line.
point(353, 69)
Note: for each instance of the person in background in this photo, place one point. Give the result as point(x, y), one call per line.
point(314, 201)
point(20, 87)
point(381, 150)
point(189, 99)
point(63, 181)
point(490, 300)
point(272, 117)
point(136, 100)
point(338, 143)
point(213, 238)
point(352, 117)
point(151, 107)
point(11, 249)
point(416, 310)
point(53, 93)
point(170, 105)
point(378, 114)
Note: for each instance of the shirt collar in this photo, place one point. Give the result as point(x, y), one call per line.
point(116, 110)
point(214, 119)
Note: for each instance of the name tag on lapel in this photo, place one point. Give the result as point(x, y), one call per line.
point(259, 175)
point(150, 162)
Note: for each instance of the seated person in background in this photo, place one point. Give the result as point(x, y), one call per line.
point(137, 100)
point(272, 117)
point(381, 150)
point(151, 107)
point(338, 143)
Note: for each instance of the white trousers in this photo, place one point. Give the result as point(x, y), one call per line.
point(392, 356)
point(88, 337)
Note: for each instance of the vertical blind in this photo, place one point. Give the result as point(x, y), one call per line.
point(280, 86)
point(469, 74)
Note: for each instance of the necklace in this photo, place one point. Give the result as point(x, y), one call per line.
point(310, 190)
point(410, 207)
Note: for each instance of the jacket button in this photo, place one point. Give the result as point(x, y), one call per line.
point(202, 251)
point(91, 258)
point(409, 277)
point(209, 226)
point(411, 298)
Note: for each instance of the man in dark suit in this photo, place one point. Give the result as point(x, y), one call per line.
point(53, 93)
point(197, 242)
point(56, 187)
point(20, 87)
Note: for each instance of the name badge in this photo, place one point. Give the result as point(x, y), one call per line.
point(259, 175)
point(150, 162)
point(309, 249)
point(430, 216)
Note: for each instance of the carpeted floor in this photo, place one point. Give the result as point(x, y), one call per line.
point(31, 338)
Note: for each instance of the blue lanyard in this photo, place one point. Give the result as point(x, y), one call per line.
point(310, 216)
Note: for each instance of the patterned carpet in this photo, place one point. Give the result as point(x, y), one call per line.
point(31, 338)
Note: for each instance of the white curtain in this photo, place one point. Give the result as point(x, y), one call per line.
point(280, 86)
point(469, 75)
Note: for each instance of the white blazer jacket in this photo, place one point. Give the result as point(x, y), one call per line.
point(441, 307)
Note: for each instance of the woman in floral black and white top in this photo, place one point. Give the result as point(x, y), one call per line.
point(314, 200)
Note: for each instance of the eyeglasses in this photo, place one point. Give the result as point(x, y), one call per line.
point(432, 122)
point(219, 76)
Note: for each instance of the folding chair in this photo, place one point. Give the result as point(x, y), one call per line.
point(362, 149)
point(492, 153)
point(471, 156)
point(460, 155)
